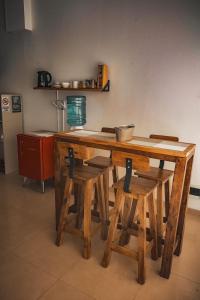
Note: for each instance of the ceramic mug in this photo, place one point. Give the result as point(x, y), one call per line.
point(75, 84)
point(65, 84)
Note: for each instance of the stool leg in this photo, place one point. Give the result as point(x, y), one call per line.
point(115, 177)
point(117, 208)
point(64, 211)
point(106, 193)
point(125, 236)
point(79, 205)
point(87, 196)
point(102, 207)
point(160, 217)
point(153, 226)
point(167, 199)
point(141, 240)
point(95, 199)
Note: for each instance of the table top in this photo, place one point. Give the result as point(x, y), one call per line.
point(153, 148)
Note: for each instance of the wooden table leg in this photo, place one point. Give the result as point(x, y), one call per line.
point(170, 238)
point(183, 208)
point(59, 183)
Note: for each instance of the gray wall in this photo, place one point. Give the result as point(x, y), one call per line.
point(152, 49)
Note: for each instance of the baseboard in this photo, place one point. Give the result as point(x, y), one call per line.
point(193, 211)
point(195, 191)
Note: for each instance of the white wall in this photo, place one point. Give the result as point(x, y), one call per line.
point(152, 49)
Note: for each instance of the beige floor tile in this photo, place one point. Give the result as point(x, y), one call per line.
point(63, 291)
point(192, 227)
point(30, 263)
point(22, 281)
point(176, 288)
point(118, 281)
point(188, 263)
point(40, 250)
point(16, 226)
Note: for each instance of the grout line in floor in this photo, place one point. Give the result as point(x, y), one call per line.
point(187, 278)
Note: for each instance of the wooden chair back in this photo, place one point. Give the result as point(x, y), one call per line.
point(139, 163)
point(79, 151)
point(108, 129)
point(164, 137)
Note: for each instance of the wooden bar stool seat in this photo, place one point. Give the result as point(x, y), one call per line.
point(100, 162)
point(138, 186)
point(162, 177)
point(85, 178)
point(133, 196)
point(156, 174)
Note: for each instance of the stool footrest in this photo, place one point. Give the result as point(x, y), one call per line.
point(125, 251)
point(73, 231)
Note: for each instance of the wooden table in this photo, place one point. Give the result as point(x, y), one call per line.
point(180, 153)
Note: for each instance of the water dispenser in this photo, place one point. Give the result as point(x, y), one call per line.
point(76, 111)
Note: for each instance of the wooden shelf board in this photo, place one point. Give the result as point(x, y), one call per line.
point(69, 89)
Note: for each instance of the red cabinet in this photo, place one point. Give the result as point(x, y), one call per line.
point(36, 156)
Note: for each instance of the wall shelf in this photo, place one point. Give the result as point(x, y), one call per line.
point(72, 89)
point(61, 104)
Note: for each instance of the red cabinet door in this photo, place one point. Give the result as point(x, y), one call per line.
point(35, 155)
point(47, 157)
point(29, 152)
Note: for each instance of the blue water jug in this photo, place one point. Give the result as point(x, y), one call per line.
point(76, 110)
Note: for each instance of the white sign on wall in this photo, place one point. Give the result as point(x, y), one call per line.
point(5, 104)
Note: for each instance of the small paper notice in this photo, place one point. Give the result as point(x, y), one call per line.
point(5, 104)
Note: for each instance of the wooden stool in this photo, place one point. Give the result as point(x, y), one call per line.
point(106, 164)
point(162, 177)
point(84, 177)
point(136, 192)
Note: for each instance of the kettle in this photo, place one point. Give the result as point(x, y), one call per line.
point(44, 79)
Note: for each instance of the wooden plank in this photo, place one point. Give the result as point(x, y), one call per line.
point(164, 137)
point(68, 89)
point(170, 236)
point(112, 229)
point(124, 250)
point(140, 163)
point(111, 144)
point(125, 236)
point(167, 198)
point(87, 196)
point(142, 240)
point(64, 212)
point(153, 225)
point(160, 191)
point(59, 182)
point(80, 152)
point(183, 208)
point(74, 231)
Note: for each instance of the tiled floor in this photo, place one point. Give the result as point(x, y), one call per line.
point(32, 267)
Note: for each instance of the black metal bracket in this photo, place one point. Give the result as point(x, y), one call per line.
point(161, 165)
point(128, 175)
point(106, 88)
point(71, 162)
